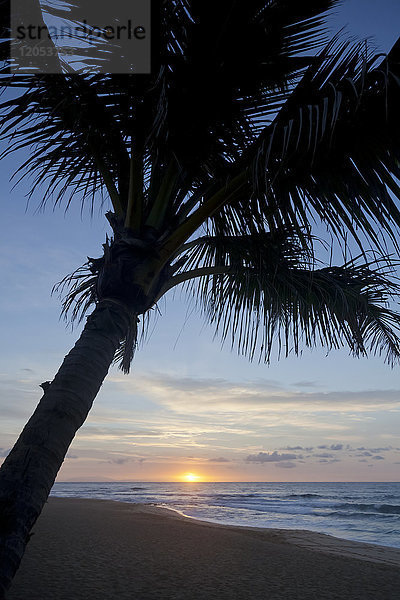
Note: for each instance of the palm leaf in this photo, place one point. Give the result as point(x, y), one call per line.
point(333, 151)
point(263, 290)
point(87, 124)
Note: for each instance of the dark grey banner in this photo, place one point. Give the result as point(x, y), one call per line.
point(81, 36)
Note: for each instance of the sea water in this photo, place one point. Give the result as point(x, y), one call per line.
point(364, 512)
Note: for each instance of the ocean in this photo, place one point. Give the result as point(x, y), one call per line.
point(363, 512)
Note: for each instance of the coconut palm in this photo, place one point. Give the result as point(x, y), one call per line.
point(217, 166)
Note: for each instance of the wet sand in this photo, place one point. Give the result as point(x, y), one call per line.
point(103, 550)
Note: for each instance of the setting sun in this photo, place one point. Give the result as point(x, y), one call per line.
point(191, 477)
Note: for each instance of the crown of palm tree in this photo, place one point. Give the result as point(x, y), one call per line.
point(249, 129)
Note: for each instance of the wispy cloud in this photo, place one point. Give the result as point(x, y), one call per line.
point(191, 395)
point(122, 460)
point(305, 384)
point(225, 424)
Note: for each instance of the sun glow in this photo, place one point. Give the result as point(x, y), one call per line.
point(191, 477)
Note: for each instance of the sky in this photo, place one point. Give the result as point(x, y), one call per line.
point(189, 406)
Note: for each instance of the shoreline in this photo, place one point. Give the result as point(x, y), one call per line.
point(111, 550)
point(283, 530)
point(365, 513)
point(306, 538)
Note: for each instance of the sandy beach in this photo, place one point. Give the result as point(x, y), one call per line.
point(103, 550)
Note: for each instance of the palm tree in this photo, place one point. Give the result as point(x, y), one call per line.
point(216, 165)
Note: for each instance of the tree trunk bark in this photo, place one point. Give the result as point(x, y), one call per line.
point(29, 471)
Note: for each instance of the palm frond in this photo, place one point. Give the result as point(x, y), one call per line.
point(218, 91)
point(333, 151)
point(74, 143)
point(81, 128)
point(77, 292)
point(105, 280)
point(263, 292)
point(332, 154)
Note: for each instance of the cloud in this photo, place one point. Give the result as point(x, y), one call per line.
point(71, 455)
point(362, 451)
point(332, 447)
point(344, 451)
point(89, 431)
point(116, 458)
point(119, 461)
point(285, 465)
point(214, 395)
point(338, 452)
point(221, 459)
point(4, 452)
point(265, 457)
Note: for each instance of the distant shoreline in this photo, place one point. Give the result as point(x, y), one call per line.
point(110, 550)
point(206, 482)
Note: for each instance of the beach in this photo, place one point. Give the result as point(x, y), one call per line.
point(105, 550)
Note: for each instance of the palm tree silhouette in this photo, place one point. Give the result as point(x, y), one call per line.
point(249, 129)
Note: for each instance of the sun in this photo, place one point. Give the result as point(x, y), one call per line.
point(191, 477)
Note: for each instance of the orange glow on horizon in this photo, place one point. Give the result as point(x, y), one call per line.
point(191, 477)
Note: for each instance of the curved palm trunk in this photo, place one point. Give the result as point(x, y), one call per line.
point(29, 471)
